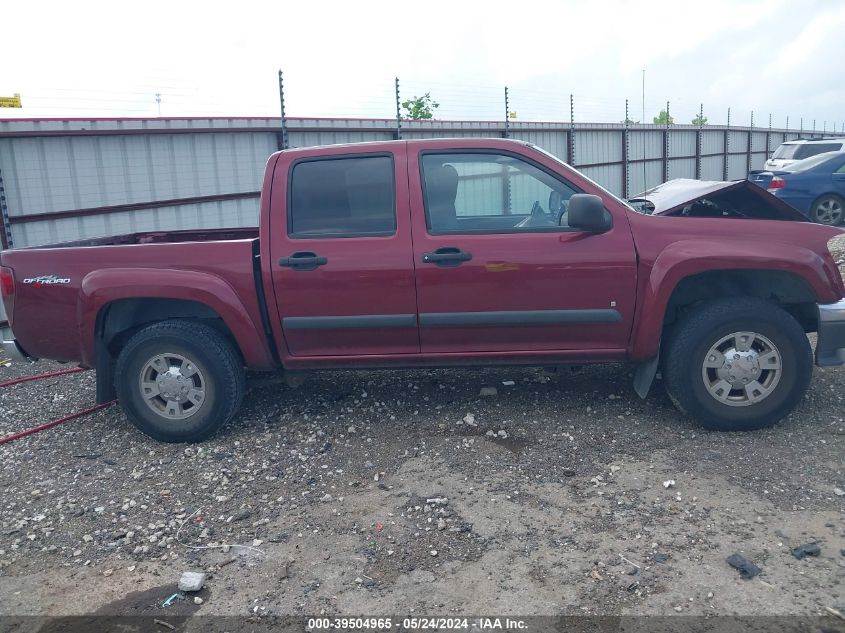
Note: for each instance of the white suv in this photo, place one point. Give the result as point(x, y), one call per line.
point(793, 151)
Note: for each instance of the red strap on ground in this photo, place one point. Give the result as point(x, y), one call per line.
point(49, 425)
point(52, 374)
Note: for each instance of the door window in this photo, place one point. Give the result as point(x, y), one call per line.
point(342, 197)
point(491, 193)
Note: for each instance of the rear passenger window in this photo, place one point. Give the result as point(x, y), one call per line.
point(342, 197)
point(815, 149)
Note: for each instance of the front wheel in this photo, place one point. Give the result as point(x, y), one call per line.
point(738, 364)
point(179, 380)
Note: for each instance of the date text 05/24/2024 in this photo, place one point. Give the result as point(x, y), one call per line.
point(373, 624)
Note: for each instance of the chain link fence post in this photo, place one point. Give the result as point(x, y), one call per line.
point(283, 141)
point(398, 109)
point(699, 138)
point(769, 138)
point(726, 148)
point(626, 146)
point(507, 115)
point(666, 146)
point(571, 145)
point(6, 233)
point(748, 148)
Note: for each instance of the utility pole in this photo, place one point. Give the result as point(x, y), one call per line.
point(643, 96)
point(643, 143)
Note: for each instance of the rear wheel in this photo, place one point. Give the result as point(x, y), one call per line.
point(738, 364)
point(829, 210)
point(179, 381)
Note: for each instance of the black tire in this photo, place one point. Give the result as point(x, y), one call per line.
point(219, 367)
point(828, 217)
point(684, 355)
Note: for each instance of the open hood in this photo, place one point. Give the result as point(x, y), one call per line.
point(713, 198)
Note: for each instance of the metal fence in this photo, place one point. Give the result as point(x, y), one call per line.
point(66, 179)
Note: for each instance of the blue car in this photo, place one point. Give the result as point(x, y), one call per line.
point(815, 186)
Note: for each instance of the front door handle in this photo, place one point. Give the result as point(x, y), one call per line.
point(447, 256)
point(303, 260)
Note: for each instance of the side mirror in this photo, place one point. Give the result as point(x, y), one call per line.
point(587, 212)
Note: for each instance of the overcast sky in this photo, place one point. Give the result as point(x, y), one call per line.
point(109, 59)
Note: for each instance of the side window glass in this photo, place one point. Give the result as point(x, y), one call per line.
point(342, 197)
point(487, 192)
point(819, 148)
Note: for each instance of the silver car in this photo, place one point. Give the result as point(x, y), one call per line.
point(793, 151)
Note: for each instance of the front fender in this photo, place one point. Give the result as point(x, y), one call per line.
point(685, 258)
point(100, 287)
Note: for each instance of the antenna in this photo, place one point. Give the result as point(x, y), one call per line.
point(643, 95)
point(642, 140)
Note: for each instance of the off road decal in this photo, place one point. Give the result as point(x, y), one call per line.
point(46, 280)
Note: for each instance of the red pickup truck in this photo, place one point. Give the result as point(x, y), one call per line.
point(449, 252)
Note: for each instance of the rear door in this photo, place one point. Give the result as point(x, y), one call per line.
point(341, 254)
point(499, 270)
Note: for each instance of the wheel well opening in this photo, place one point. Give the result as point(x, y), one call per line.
point(786, 290)
point(119, 320)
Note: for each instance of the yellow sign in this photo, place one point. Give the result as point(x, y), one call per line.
point(11, 102)
point(512, 114)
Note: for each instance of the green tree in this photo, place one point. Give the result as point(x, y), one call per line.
point(700, 120)
point(630, 122)
point(420, 107)
point(663, 118)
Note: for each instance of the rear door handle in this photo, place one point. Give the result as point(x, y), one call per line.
point(303, 260)
point(447, 256)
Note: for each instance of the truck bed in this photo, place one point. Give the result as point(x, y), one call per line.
point(81, 271)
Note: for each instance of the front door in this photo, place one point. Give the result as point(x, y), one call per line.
point(341, 255)
point(499, 270)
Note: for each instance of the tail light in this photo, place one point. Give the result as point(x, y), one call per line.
point(7, 290)
point(776, 183)
point(7, 281)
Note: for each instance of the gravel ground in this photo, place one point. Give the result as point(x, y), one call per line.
point(388, 493)
point(382, 492)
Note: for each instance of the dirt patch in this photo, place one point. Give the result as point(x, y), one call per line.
point(297, 505)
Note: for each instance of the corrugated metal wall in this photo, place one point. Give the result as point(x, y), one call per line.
point(68, 179)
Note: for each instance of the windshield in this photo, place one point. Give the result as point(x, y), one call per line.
point(594, 183)
point(809, 163)
point(785, 151)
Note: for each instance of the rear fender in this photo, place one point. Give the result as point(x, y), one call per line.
point(101, 287)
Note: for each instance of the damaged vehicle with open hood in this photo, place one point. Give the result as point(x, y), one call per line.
point(714, 199)
point(443, 252)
